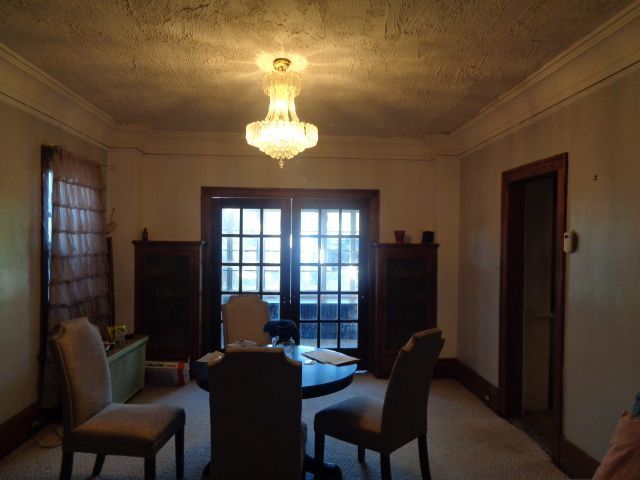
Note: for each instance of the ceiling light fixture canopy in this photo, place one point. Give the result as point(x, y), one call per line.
point(281, 134)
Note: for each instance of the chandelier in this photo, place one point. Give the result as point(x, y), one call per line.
point(281, 135)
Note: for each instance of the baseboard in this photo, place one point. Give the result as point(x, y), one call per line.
point(574, 462)
point(571, 460)
point(445, 368)
point(22, 426)
point(484, 390)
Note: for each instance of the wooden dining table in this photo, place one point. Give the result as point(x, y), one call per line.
point(318, 379)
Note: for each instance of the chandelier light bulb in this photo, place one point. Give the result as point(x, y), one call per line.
point(281, 135)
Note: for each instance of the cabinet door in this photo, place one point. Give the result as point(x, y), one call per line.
point(168, 300)
point(406, 303)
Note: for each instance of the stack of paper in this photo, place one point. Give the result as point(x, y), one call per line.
point(331, 357)
point(242, 343)
point(210, 357)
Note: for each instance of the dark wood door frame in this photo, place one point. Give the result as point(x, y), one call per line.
point(207, 194)
point(511, 288)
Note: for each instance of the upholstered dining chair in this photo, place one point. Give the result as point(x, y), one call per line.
point(244, 317)
point(92, 424)
point(255, 399)
point(385, 426)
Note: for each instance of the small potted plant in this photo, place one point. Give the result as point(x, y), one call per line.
point(283, 333)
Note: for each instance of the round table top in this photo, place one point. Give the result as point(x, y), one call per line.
point(318, 379)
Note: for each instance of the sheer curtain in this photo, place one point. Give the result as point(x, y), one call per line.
point(75, 236)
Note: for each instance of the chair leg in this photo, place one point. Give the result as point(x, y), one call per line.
point(423, 453)
point(150, 468)
point(319, 456)
point(67, 465)
point(385, 466)
point(180, 454)
point(361, 451)
point(97, 467)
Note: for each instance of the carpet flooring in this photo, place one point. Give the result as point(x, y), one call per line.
point(466, 441)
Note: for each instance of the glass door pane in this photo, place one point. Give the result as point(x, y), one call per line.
point(327, 273)
point(254, 246)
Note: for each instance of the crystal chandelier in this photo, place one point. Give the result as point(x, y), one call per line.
point(281, 134)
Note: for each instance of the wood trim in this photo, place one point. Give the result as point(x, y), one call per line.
point(207, 222)
point(324, 193)
point(571, 459)
point(46, 156)
point(511, 277)
point(168, 243)
point(445, 368)
point(480, 387)
point(470, 379)
point(110, 280)
point(23, 425)
point(574, 462)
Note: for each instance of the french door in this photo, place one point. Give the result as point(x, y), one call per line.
point(254, 251)
point(327, 287)
point(306, 257)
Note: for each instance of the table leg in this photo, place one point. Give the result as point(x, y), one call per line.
point(330, 470)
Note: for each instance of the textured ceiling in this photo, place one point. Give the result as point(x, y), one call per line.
point(381, 68)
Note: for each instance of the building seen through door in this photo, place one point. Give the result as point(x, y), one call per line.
point(306, 257)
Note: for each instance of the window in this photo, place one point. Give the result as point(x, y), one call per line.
point(305, 254)
point(74, 262)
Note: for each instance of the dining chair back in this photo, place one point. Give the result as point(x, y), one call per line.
point(243, 318)
point(404, 414)
point(86, 389)
point(386, 425)
point(92, 423)
point(255, 398)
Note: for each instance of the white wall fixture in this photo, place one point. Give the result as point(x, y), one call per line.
point(570, 241)
point(281, 134)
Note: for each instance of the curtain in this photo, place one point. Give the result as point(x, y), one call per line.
point(73, 189)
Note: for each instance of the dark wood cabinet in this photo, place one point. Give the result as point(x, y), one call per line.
point(168, 280)
point(405, 298)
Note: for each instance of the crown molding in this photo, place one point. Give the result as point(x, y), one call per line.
point(607, 51)
point(28, 88)
point(213, 144)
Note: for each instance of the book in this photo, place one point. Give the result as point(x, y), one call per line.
point(331, 357)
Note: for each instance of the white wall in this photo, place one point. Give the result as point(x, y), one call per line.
point(21, 136)
point(599, 130)
point(415, 195)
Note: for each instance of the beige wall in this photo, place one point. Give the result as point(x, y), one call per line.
point(599, 130)
point(414, 196)
point(124, 199)
point(21, 136)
